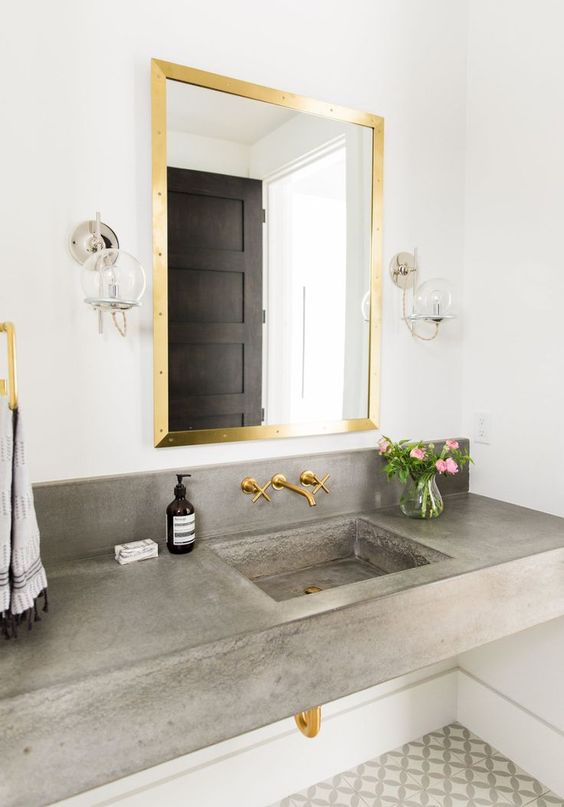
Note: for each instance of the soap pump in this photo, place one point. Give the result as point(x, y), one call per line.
point(180, 521)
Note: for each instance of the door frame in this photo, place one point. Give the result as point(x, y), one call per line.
point(160, 72)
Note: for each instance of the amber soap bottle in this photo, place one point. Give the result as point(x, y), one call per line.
point(180, 521)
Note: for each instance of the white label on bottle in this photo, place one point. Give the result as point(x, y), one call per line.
point(183, 529)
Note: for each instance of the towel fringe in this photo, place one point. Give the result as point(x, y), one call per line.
point(9, 622)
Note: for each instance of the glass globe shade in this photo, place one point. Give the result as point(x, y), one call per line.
point(113, 279)
point(433, 300)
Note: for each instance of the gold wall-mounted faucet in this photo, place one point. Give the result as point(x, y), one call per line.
point(279, 481)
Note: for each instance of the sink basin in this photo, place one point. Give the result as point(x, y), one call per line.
point(323, 555)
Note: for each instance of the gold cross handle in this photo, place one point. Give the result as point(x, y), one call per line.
point(309, 478)
point(250, 485)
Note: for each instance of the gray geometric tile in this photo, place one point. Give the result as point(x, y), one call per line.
point(468, 787)
point(385, 782)
point(548, 799)
point(436, 747)
point(511, 782)
point(434, 774)
point(459, 740)
point(450, 767)
point(336, 792)
point(474, 773)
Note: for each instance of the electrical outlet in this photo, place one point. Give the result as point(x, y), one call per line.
point(482, 427)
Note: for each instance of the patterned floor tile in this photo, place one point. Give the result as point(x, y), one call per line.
point(384, 782)
point(548, 799)
point(335, 792)
point(450, 767)
point(434, 773)
point(472, 786)
point(513, 784)
point(460, 741)
point(431, 751)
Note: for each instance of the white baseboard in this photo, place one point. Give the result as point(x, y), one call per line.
point(528, 740)
point(263, 766)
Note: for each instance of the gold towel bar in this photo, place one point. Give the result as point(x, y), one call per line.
point(10, 331)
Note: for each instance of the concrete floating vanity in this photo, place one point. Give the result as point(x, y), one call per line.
point(144, 663)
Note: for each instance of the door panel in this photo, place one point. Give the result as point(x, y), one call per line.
point(215, 300)
point(204, 296)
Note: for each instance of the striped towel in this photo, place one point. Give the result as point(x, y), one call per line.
point(22, 576)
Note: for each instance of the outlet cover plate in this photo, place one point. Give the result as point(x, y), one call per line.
point(482, 428)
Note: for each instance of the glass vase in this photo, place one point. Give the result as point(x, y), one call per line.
point(421, 498)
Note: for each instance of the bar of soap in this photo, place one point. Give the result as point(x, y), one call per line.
point(136, 550)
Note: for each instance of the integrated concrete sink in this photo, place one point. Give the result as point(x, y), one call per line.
point(312, 558)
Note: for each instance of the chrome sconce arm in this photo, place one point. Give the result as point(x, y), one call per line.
point(432, 300)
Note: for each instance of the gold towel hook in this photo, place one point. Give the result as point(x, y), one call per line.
point(10, 331)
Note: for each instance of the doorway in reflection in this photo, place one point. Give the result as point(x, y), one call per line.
point(305, 287)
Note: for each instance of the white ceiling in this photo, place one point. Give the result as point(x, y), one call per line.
point(209, 113)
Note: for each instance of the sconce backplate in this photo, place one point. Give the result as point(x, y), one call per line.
point(403, 270)
point(82, 242)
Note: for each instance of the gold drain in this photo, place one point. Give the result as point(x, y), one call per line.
point(312, 590)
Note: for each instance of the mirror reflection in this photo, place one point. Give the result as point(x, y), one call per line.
point(269, 240)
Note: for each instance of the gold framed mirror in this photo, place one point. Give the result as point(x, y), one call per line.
point(267, 236)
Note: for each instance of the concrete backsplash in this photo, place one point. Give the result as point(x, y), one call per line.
point(86, 517)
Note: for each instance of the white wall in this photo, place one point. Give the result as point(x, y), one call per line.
point(514, 288)
point(76, 138)
point(186, 150)
point(292, 141)
point(514, 274)
point(527, 668)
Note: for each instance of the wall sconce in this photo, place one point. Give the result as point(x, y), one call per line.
point(112, 280)
point(431, 301)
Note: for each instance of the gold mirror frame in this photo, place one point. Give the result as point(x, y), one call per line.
point(160, 72)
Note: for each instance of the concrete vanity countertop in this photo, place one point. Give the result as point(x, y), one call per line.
point(139, 664)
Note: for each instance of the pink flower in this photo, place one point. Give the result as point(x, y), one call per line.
point(441, 466)
point(451, 466)
point(384, 446)
point(417, 453)
point(452, 444)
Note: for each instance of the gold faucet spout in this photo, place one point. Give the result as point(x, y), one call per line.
point(279, 481)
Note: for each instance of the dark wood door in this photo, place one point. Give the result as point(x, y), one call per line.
point(214, 300)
